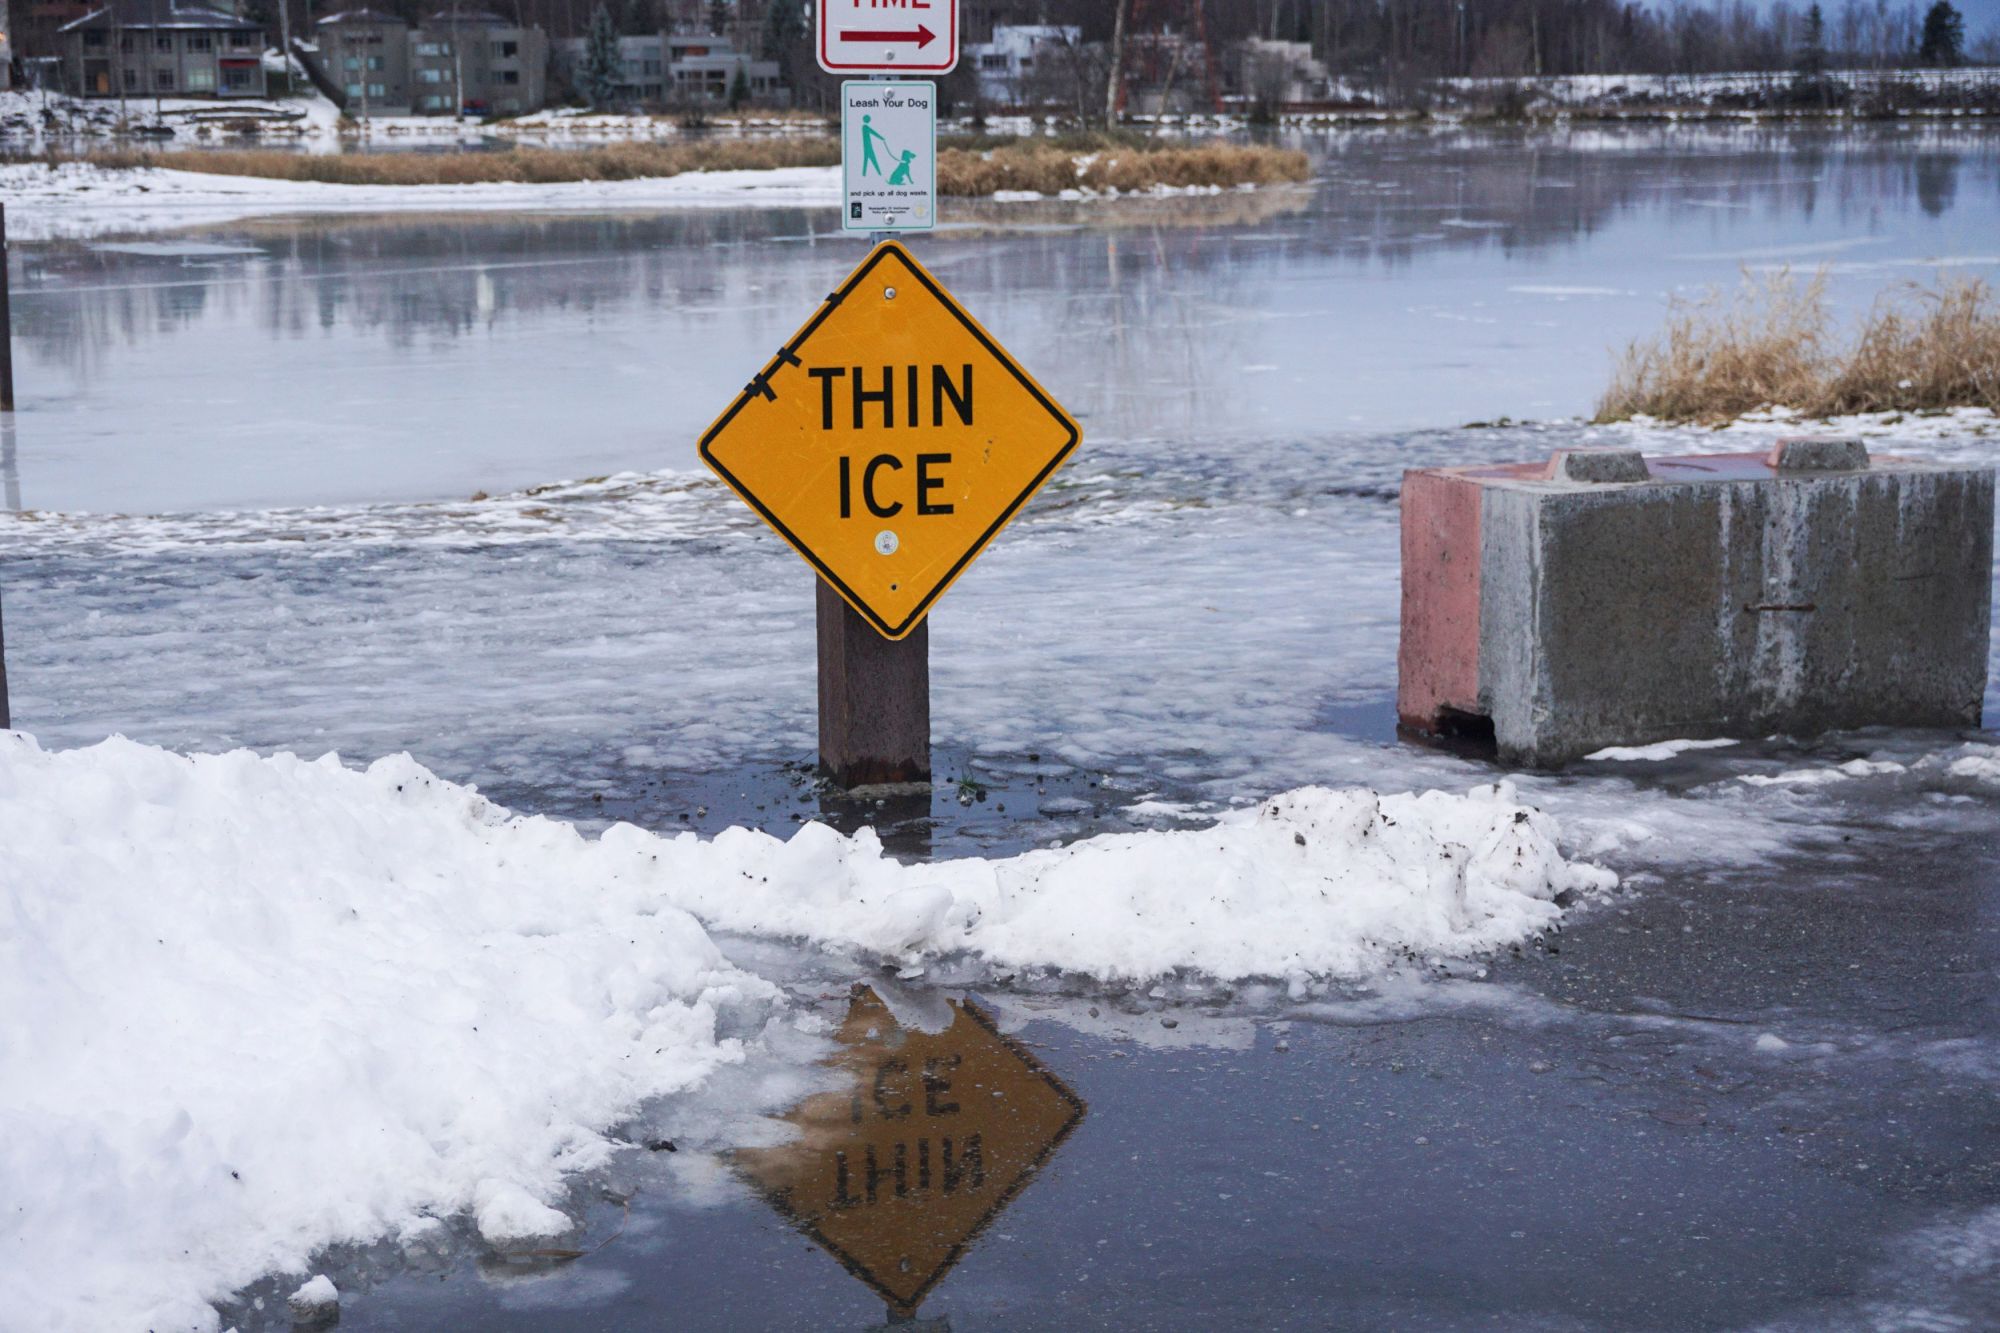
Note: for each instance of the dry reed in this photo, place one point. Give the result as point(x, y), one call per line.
point(1044, 166)
point(537, 166)
point(1771, 344)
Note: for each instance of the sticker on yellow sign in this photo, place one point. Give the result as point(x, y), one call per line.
point(928, 1138)
point(890, 440)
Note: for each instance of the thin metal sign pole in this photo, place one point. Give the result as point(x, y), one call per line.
point(874, 693)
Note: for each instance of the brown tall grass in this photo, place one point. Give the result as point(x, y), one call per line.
point(1772, 344)
point(540, 166)
point(1046, 166)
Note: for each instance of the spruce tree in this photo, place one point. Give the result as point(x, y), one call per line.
point(739, 88)
point(1812, 59)
point(1943, 42)
point(600, 57)
point(784, 27)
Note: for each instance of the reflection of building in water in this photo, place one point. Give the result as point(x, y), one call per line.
point(932, 1135)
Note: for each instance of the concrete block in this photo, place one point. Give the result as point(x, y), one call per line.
point(1803, 590)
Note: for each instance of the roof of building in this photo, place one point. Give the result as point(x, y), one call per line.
point(485, 17)
point(146, 14)
point(363, 16)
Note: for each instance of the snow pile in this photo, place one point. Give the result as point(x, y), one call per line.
point(1630, 754)
point(1312, 882)
point(251, 1006)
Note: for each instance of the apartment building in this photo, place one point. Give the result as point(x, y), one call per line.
point(470, 60)
point(133, 48)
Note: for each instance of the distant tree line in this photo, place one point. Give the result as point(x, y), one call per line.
point(1519, 38)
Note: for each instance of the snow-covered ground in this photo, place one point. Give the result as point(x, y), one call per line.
point(76, 200)
point(251, 1007)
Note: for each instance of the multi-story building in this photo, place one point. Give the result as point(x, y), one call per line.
point(703, 69)
point(1018, 66)
point(161, 48)
point(642, 66)
point(680, 69)
point(479, 61)
point(471, 60)
point(366, 54)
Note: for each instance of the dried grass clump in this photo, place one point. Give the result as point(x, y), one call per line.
point(539, 166)
point(1041, 165)
point(1050, 168)
point(1931, 349)
point(1770, 345)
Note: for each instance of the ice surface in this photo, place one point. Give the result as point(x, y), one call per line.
point(76, 200)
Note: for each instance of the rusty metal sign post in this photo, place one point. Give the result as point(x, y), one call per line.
point(888, 442)
point(929, 1138)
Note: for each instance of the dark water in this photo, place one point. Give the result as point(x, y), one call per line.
point(1588, 1137)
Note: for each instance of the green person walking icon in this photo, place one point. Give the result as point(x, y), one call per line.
point(869, 137)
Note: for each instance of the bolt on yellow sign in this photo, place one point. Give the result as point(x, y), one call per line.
point(929, 1138)
point(890, 440)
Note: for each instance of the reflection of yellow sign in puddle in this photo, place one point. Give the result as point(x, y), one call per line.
point(934, 1134)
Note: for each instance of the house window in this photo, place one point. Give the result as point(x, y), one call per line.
point(163, 42)
point(378, 90)
point(163, 79)
point(131, 80)
point(237, 77)
point(125, 42)
point(430, 76)
point(239, 40)
point(434, 103)
point(507, 50)
point(510, 76)
point(200, 41)
point(354, 90)
point(97, 39)
point(201, 80)
point(993, 62)
point(433, 49)
point(378, 63)
point(354, 62)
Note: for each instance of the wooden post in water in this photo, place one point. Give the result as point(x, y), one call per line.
point(874, 693)
point(874, 698)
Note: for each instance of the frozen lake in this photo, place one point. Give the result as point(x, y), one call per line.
point(1421, 280)
point(243, 475)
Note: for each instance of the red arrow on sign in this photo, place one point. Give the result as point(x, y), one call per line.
point(922, 36)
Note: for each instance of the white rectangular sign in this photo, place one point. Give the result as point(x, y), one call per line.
point(888, 155)
point(887, 36)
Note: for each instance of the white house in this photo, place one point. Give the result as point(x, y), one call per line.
point(1010, 65)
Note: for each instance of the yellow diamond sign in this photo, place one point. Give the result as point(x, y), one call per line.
point(930, 1135)
point(890, 440)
